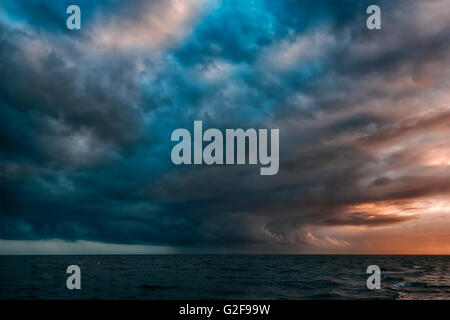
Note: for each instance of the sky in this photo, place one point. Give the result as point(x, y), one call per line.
point(86, 117)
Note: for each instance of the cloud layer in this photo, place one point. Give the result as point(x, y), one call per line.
point(364, 119)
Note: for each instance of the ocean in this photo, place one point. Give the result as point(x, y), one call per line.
point(225, 277)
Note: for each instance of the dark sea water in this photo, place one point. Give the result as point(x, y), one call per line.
point(225, 277)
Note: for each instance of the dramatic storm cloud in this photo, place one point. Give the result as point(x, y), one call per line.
point(364, 118)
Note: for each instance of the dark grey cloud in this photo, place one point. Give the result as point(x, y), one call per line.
point(85, 125)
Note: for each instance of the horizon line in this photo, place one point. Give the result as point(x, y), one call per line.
point(221, 253)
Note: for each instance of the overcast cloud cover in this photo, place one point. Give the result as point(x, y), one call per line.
point(364, 119)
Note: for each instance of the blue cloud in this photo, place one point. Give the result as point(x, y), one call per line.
point(85, 126)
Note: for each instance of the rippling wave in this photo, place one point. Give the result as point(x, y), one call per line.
point(225, 277)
